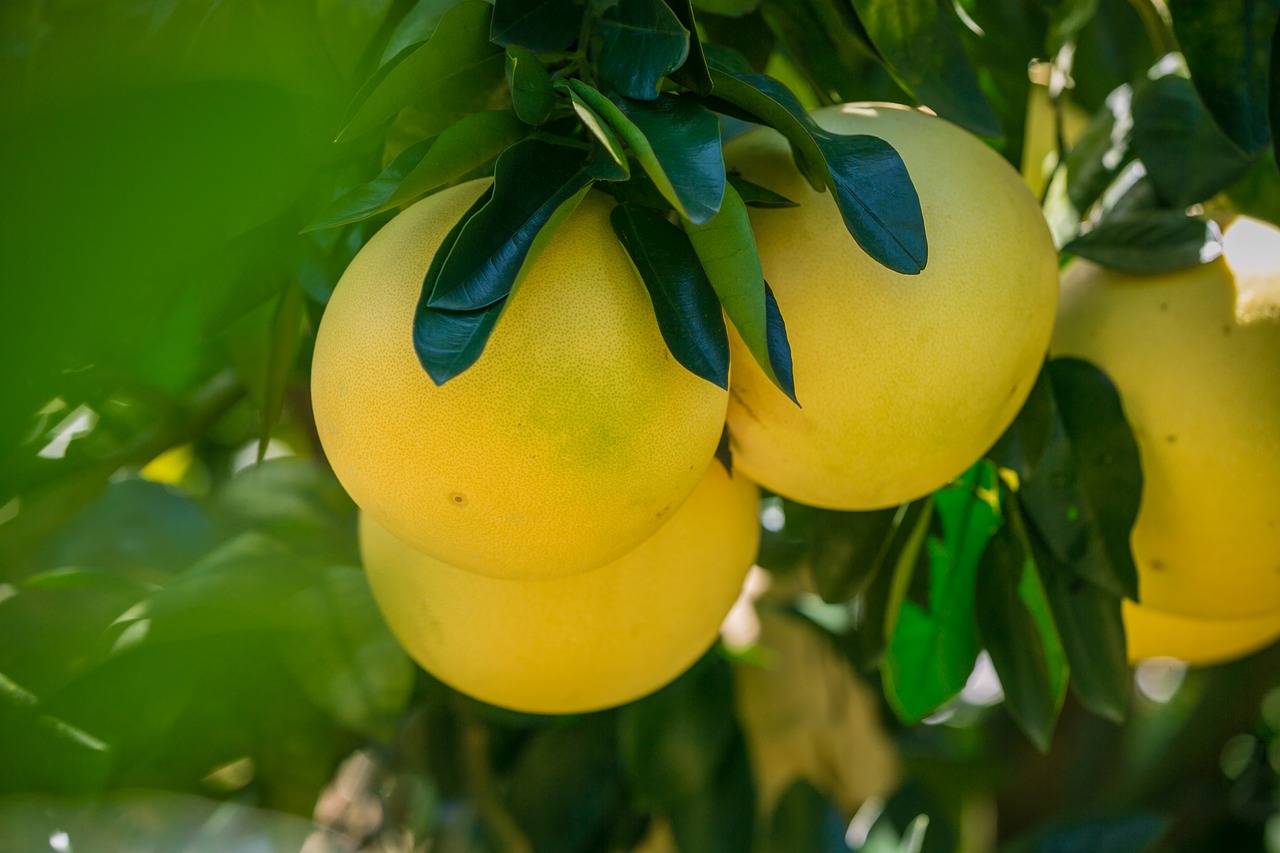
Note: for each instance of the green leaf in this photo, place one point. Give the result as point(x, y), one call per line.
point(344, 657)
point(417, 25)
point(729, 8)
point(1084, 498)
point(1023, 444)
point(540, 26)
point(600, 128)
point(677, 142)
point(1187, 156)
point(1113, 48)
point(686, 307)
point(1227, 46)
point(451, 74)
point(849, 550)
point(1102, 152)
point(754, 195)
point(532, 95)
point(805, 821)
point(932, 648)
point(641, 42)
point(693, 74)
point(684, 755)
point(871, 185)
point(726, 248)
point(532, 180)
point(1149, 242)
point(922, 50)
point(1016, 623)
point(460, 149)
point(370, 199)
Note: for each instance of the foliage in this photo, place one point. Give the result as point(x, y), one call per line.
point(189, 652)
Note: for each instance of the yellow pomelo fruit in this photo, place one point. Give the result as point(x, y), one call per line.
point(904, 381)
point(582, 642)
point(570, 440)
point(1153, 633)
point(1195, 356)
point(1040, 135)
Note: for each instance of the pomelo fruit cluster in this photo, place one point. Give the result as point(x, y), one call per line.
point(1195, 356)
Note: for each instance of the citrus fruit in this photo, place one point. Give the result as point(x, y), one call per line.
point(1195, 356)
point(1153, 633)
point(903, 381)
point(581, 642)
point(567, 443)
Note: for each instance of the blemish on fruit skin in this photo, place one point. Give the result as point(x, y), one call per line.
point(1172, 439)
point(458, 498)
point(1157, 565)
point(1164, 306)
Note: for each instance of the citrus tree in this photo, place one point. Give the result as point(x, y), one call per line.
point(640, 425)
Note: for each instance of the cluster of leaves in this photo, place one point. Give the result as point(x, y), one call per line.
point(624, 96)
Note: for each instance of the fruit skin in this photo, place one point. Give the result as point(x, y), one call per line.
point(1152, 633)
point(904, 380)
point(567, 443)
point(583, 642)
point(1195, 356)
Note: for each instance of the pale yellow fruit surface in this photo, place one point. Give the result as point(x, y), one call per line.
point(1195, 356)
point(1152, 633)
point(904, 381)
point(570, 440)
point(583, 642)
point(1040, 135)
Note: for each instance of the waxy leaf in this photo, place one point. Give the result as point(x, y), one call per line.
point(921, 48)
point(532, 94)
point(685, 304)
point(540, 26)
point(641, 42)
point(1150, 241)
point(1084, 498)
point(1018, 630)
point(532, 179)
point(452, 73)
point(1187, 157)
point(848, 551)
point(754, 195)
point(601, 129)
point(676, 141)
point(1227, 45)
point(932, 648)
point(726, 248)
point(870, 182)
point(374, 197)
point(693, 74)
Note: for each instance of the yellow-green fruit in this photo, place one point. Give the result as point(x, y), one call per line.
point(1040, 135)
point(1195, 355)
point(904, 380)
point(1153, 633)
point(578, 643)
point(570, 440)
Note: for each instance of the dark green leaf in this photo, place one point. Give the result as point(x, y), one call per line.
point(848, 550)
point(693, 74)
point(1113, 48)
point(677, 142)
point(730, 8)
point(416, 26)
point(871, 185)
point(1149, 242)
point(932, 648)
point(641, 42)
point(1023, 444)
point(532, 95)
point(921, 48)
point(1085, 497)
point(1102, 153)
point(603, 131)
point(754, 195)
point(1091, 627)
point(1018, 631)
point(805, 821)
point(1187, 156)
point(1227, 46)
point(374, 197)
point(726, 248)
point(685, 756)
point(448, 342)
point(540, 26)
point(451, 74)
point(779, 346)
point(683, 300)
point(532, 181)
point(1128, 834)
point(830, 51)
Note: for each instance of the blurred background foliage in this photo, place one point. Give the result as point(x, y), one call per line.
point(190, 658)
